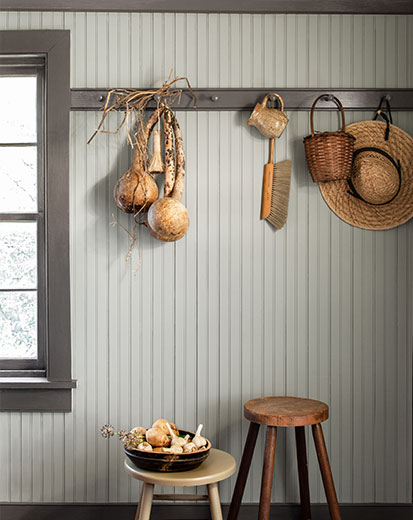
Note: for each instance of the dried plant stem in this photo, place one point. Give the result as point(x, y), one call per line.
point(134, 103)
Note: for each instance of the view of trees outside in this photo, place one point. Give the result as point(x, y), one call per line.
point(18, 324)
point(18, 310)
point(18, 239)
point(18, 181)
point(18, 109)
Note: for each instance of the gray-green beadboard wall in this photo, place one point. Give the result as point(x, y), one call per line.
point(234, 310)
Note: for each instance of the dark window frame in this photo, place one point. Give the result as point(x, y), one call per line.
point(33, 390)
point(31, 67)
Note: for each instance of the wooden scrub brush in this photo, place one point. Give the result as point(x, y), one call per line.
point(275, 190)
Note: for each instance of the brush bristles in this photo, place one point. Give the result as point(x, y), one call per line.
point(280, 194)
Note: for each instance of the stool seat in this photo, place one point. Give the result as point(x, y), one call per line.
point(285, 411)
point(218, 466)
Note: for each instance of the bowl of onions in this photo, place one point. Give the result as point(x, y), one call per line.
point(163, 447)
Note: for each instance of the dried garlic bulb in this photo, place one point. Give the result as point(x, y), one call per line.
point(145, 446)
point(173, 449)
point(161, 423)
point(157, 437)
point(198, 440)
point(189, 447)
point(138, 430)
point(176, 440)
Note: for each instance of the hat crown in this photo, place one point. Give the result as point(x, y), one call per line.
point(375, 178)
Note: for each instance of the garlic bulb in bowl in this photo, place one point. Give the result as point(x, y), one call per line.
point(189, 447)
point(157, 437)
point(198, 440)
point(162, 424)
point(176, 440)
point(145, 446)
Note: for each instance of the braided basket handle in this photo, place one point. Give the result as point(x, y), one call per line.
point(336, 101)
point(273, 95)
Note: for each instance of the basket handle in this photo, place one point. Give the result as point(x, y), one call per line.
point(273, 95)
point(336, 101)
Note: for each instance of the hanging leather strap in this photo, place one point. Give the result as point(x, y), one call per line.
point(386, 116)
point(352, 191)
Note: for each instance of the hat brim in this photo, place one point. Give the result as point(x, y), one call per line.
point(361, 214)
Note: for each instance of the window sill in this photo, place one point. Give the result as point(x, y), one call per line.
point(22, 383)
point(35, 394)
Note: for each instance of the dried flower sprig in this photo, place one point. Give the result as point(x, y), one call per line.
point(107, 431)
point(131, 439)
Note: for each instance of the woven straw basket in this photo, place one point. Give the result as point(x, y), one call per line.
point(329, 155)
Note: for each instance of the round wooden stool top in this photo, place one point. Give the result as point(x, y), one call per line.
point(285, 411)
point(218, 466)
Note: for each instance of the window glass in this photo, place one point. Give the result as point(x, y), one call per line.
point(18, 109)
point(18, 324)
point(18, 217)
point(18, 255)
point(18, 179)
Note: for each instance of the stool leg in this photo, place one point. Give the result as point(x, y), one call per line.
point(303, 472)
point(243, 471)
point(138, 509)
point(214, 501)
point(325, 469)
point(147, 495)
point(267, 473)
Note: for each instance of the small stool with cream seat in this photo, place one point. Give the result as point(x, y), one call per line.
point(287, 412)
point(218, 466)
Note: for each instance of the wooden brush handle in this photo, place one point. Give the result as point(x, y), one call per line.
point(267, 184)
point(270, 161)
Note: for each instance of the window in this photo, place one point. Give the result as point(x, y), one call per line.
point(35, 358)
point(22, 295)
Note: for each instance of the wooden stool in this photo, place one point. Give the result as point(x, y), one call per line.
point(218, 466)
point(285, 411)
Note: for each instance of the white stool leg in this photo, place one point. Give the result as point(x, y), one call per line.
point(138, 509)
point(146, 502)
point(214, 501)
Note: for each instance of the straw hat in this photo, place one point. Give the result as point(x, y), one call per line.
point(379, 194)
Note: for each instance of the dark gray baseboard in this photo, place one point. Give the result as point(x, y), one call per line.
point(14, 511)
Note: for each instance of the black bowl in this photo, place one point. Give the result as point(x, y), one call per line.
point(168, 462)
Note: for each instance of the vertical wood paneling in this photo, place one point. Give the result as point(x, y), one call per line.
point(234, 310)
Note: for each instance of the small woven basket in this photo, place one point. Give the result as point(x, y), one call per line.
point(329, 155)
